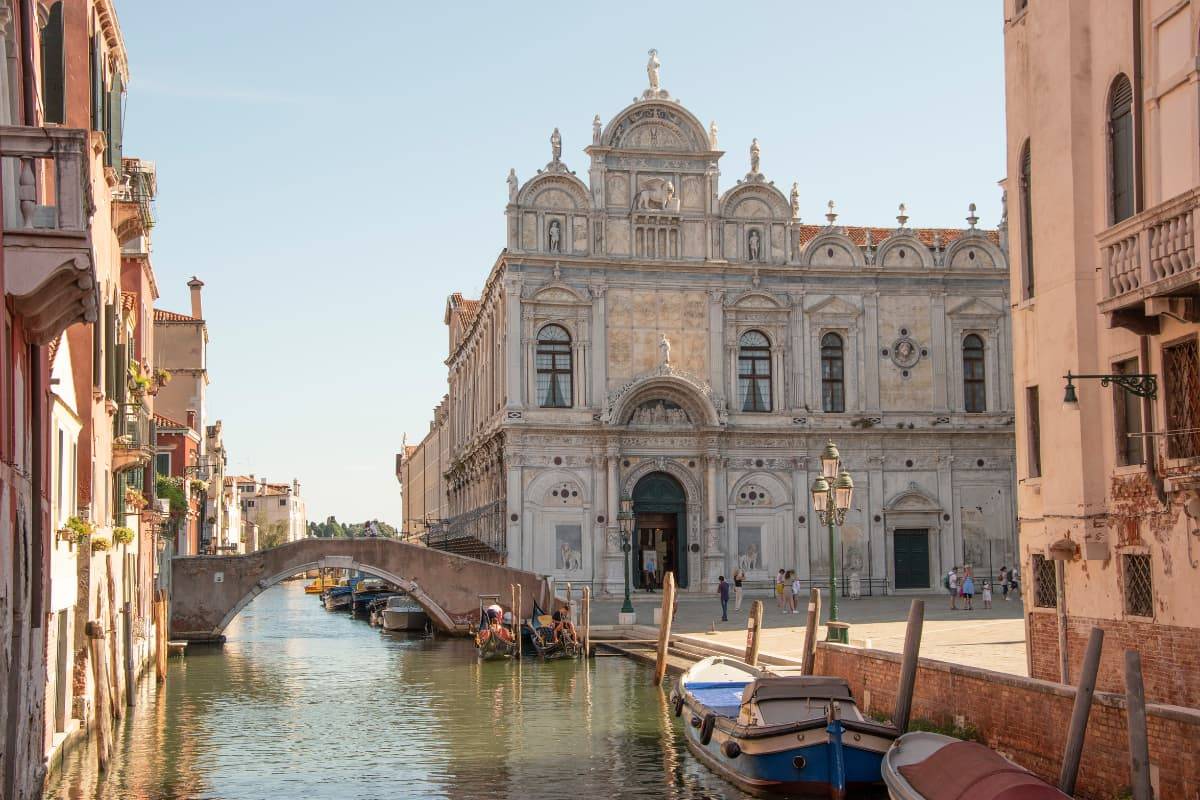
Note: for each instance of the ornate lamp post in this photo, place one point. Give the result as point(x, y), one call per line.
point(832, 493)
point(626, 518)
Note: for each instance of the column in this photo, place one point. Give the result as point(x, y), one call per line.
point(513, 350)
point(871, 359)
point(714, 559)
point(614, 567)
point(937, 351)
point(599, 347)
point(716, 299)
point(799, 543)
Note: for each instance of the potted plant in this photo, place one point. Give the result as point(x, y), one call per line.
point(135, 498)
point(160, 379)
point(123, 535)
point(76, 530)
point(198, 485)
point(101, 543)
point(139, 381)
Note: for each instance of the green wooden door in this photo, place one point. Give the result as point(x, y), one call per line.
point(911, 547)
point(659, 493)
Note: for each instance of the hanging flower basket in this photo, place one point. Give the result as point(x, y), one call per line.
point(123, 535)
point(198, 485)
point(100, 544)
point(135, 498)
point(76, 531)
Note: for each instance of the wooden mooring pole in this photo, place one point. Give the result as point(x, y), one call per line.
point(586, 621)
point(517, 613)
point(1135, 712)
point(127, 636)
point(664, 627)
point(810, 631)
point(1079, 715)
point(908, 665)
point(160, 638)
point(753, 630)
point(96, 649)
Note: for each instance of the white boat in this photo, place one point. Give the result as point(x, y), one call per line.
point(929, 766)
point(402, 613)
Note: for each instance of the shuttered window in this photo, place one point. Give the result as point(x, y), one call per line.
point(553, 363)
point(974, 383)
point(1026, 196)
point(1034, 430)
point(1120, 149)
point(53, 69)
point(833, 372)
point(115, 132)
point(754, 372)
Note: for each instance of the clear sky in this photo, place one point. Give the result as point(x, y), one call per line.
point(332, 171)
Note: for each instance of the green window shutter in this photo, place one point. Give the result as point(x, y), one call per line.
point(115, 132)
point(121, 375)
point(53, 68)
point(110, 349)
point(97, 86)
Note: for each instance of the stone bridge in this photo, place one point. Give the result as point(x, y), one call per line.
point(207, 592)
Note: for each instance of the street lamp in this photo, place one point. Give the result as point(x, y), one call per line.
point(1137, 383)
point(626, 517)
point(832, 492)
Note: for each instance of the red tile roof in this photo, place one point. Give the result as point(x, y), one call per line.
point(161, 315)
point(128, 301)
point(467, 309)
point(53, 348)
point(167, 422)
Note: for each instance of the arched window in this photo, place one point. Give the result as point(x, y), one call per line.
point(833, 386)
point(754, 372)
point(1026, 195)
point(1120, 149)
point(974, 384)
point(553, 363)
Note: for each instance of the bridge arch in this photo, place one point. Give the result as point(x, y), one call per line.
point(207, 592)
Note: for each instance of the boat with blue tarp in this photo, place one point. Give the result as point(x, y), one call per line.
point(776, 733)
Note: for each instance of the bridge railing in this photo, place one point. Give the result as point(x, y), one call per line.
point(479, 533)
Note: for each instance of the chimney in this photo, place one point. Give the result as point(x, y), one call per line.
point(191, 418)
point(195, 284)
point(295, 487)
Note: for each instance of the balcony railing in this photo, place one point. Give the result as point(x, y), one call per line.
point(47, 245)
point(479, 533)
point(1152, 257)
point(133, 441)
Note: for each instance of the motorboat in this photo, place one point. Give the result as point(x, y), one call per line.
point(929, 766)
point(401, 613)
point(337, 597)
point(768, 733)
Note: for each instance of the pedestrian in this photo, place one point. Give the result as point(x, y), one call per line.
point(779, 580)
point(789, 596)
point(796, 589)
point(1004, 582)
point(723, 593)
point(1014, 579)
point(951, 584)
point(968, 590)
point(738, 578)
point(987, 594)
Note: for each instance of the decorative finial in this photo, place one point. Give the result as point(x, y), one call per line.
point(902, 217)
point(831, 215)
point(971, 217)
point(795, 200)
point(556, 146)
point(596, 129)
point(712, 134)
point(754, 156)
point(512, 185)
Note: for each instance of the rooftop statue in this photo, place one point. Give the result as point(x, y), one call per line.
point(754, 156)
point(556, 145)
point(512, 185)
point(652, 70)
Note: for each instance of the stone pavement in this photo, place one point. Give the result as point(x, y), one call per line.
point(990, 639)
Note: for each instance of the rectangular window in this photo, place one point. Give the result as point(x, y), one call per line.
point(60, 471)
point(1127, 416)
point(1034, 429)
point(283, 503)
point(250, 503)
point(1139, 588)
point(1181, 374)
point(53, 67)
point(1045, 588)
point(162, 463)
point(754, 379)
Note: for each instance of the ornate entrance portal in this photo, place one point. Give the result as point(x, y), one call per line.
point(660, 538)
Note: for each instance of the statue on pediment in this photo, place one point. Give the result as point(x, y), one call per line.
point(512, 185)
point(755, 152)
point(652, 70)
point(664, 349)
point(556, 145)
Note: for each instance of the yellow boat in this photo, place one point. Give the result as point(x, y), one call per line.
point(319, 585)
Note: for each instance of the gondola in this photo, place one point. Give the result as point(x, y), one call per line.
point(540, 629)
point(768, 733)
point(489, 646)
point(929, 766)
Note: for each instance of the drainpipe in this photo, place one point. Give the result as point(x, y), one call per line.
point(28, 85)
point(1139, 192)
point(1148, 451)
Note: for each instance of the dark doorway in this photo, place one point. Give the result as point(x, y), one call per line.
point(911, 547)
point(660, 530)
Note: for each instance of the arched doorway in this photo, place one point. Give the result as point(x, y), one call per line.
point(660, 529)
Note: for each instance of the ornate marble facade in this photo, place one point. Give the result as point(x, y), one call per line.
point(645, 323)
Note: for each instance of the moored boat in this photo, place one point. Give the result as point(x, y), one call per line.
point(770, 733)
point(367, 591)
point(401, 613)
point(491, 641)
point(337, 597)
point(929, 766)
point(546, 643)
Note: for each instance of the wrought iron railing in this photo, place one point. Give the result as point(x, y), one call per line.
point(479, 533)
point(131, 427)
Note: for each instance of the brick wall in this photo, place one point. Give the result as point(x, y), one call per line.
point(1027, 719)
point(1170, 655)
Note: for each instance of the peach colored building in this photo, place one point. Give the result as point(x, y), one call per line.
point(1104, 191)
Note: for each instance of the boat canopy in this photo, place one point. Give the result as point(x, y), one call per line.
point(796, 687)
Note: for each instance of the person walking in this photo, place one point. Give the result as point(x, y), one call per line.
point(1014, 579)
point(789, 598)
point(723, 593)
point(968, 590)
point(951, 584)
point(796, 589)
point(1004, 582)
point(987, 594)
point(779, 581)
point(738, 578)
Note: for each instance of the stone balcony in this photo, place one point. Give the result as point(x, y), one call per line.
point(1150, 265)
point(47, 240)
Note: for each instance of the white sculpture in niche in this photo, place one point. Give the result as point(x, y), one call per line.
point(656, 194)
point(664, 349)
point(555, 237)
point(652, 70)
point(512, 185)
point(556, 145)
point(754, 244)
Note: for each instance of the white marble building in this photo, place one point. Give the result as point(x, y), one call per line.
point(647, 333)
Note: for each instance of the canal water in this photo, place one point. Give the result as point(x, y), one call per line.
point(303, 704)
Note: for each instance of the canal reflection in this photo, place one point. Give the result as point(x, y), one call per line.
point(303, 704)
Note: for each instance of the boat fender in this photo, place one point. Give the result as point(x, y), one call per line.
point(706, 728)
point(678, 705)
point(731, 749)
point(799, 762)
point(695, 721)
